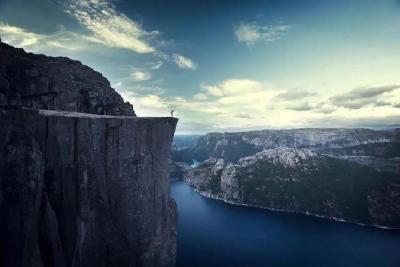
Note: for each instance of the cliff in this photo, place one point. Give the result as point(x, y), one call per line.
point(343, 174)
point(82, 189)
point(300, 180)
point(57, 83)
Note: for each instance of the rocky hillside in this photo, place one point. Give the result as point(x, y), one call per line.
point(233, 146)
point(58, 83)
point(77, 187)
point(300, 180)
point(346, 174)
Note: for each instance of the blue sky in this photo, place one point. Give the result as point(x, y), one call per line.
point(229, 65)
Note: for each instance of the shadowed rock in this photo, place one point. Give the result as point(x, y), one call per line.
point(57, 83)
point(86, 190)
point(77, 187)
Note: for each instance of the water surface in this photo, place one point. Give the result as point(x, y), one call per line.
point(213, 233)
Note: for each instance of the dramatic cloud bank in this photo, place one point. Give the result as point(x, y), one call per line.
point(106, 27)
point(360, 97)
point(114, 29)
point(110, 27)
point(236, 104)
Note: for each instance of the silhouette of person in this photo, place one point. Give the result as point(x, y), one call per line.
point(172, 113)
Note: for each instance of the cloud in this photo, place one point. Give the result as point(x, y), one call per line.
point(366, 121)
point(144, 73)
point(251, 32)
point(150, 105)
point(295, 94)
point(243, 116)
point(19, 36)
point(239, 101)
point(104, 26)
point(228, 102)
point(184, 62)
point(244, 104)
point(380, 103)
point(111, 28)
point(361, 97)
point(141, 76)
point(232, 87)
point(117, 84)
point(154, 65)
point(60, 40)
point(200, 96)
point(300, 106)
point(152, 101)
point(211, 90)
point(325, 109)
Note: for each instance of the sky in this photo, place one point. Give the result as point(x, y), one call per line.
point(229, 65)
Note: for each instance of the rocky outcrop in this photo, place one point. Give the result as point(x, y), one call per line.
point(85, 190)
point(79, 189)
point(300, 180)
point(57, 83)
point(230, 184)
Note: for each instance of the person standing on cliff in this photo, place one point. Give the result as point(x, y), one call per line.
point(172, 113)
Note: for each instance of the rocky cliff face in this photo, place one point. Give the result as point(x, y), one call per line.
point(346, 174)
point(58, 83)
point(233, 146)
point(300, 180)
point(80, 189)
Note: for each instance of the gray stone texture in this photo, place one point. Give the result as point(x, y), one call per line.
point(83, 181)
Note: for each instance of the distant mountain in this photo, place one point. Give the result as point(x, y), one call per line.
point(233, 146)
point(301, 180)
point(344, 174)
point(182, 148)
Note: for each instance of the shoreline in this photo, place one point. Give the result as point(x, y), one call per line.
point(212, 196)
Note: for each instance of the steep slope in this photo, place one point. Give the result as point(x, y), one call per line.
point(300, 180)
point(80, 189)
point(58, 83)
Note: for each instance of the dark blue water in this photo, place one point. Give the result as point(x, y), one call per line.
point(212, 233)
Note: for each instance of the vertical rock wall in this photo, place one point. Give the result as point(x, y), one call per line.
point(85, 190)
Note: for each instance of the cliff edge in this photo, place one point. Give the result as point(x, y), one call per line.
point(82, 189)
